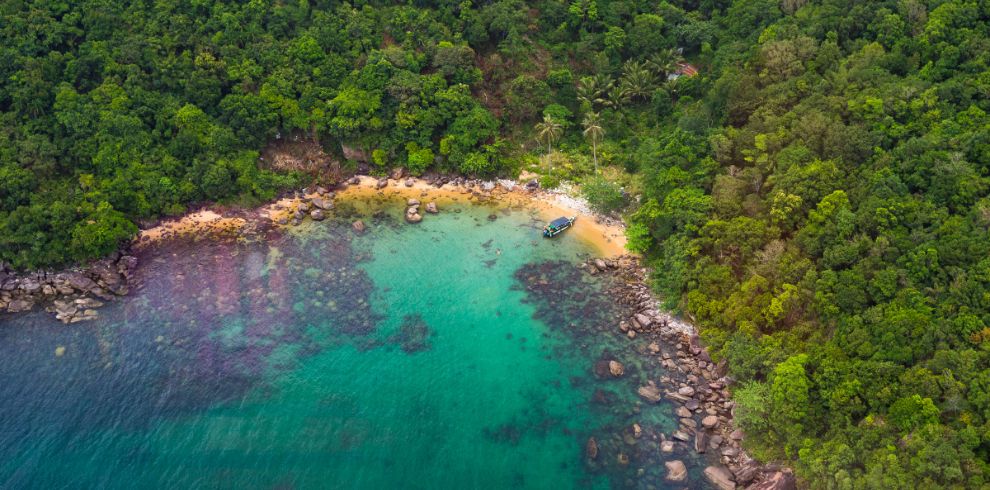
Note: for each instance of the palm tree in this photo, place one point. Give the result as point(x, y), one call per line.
point(664, 63)
point(637, 80)
point(618, 96)
point(594, 131)
point(548, 130)
point(594, 91)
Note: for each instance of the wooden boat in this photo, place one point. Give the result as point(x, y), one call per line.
point(558, 225)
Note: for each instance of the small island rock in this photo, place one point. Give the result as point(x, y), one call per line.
point(616, 368)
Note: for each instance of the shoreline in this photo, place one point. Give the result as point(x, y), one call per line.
point(695, 384)
point(606, 235)
point(74, 294)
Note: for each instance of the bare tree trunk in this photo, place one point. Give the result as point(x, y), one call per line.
point(594, 153)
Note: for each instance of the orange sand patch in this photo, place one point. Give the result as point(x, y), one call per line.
point(608, 239)
point(199, 223)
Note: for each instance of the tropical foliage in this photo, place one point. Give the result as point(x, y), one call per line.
point(817, 199)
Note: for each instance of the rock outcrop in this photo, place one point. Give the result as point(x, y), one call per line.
point(72, 295)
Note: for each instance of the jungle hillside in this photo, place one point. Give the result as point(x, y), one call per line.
point(807, 178)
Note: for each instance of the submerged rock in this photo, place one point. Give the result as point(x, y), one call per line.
point(676, 471)
point(358, 226)
point(616, 368)
point(431, 207)
point(591, 448)
point(649, 393)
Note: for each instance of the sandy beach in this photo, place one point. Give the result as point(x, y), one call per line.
point(607, 236)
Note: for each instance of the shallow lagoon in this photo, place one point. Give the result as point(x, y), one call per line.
point(456, 353)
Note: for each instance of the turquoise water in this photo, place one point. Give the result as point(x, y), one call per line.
point(457, 353)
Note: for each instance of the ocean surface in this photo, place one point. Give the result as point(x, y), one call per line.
point(456, 353)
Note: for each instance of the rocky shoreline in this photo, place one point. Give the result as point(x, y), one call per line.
point(695, 384)
point(72, 295)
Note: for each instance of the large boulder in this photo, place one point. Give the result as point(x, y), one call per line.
point(19, 305)
point(676, 471)
point(709, 421)
point(777, 480)
point(649, 393)
point(643, 320)
point(720, 477)
point(616, 368)
point(413, 216)
point(321, 203)
point(317, 215)
point(431, 207)
point(30, 285)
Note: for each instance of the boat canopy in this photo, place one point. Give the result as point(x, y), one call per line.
point(557, 223)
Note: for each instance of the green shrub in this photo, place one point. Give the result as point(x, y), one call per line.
point(603, 195)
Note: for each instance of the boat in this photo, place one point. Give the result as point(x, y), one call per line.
point(558, 225)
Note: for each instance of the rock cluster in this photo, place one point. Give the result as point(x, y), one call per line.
point(412, 211)
point(697, 386)
point(72, 295)
point(316, 208)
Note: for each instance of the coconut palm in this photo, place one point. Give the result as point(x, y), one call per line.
point(593, 91)
point(548, 130)
point(594, 131)
point(637, 80)
point(664, 63)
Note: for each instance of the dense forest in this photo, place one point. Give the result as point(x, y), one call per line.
point(815, 198)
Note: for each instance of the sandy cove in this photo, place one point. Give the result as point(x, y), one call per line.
point(607, 236)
